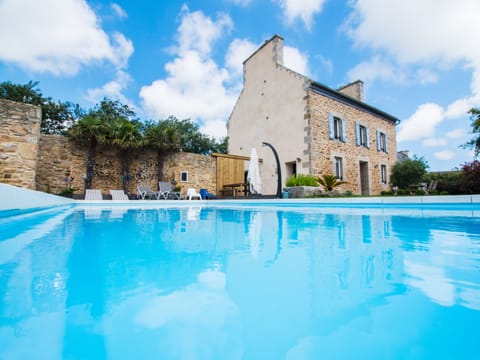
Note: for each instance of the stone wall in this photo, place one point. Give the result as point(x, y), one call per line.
point(19, 130)
point(324, 149)
point(60, 159)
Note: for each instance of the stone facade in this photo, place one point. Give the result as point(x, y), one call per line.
point(60, 159)
point(19, 131)
point(323, 150)
point(294, 114)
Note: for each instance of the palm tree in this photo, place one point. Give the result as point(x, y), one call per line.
point(163, 138)
point(89, 130)
point(126, 135)
point(330, 182)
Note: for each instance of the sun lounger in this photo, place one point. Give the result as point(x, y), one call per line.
point(118, 195)
point(166, 191)
point(146, 192)
point(93, 194)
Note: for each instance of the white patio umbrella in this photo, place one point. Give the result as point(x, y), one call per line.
point(253, 175)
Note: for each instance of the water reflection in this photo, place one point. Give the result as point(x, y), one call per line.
point(210, 283)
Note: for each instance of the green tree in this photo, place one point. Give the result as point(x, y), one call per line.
point(96, 127)
point(29, 93)
point(471, 178)
point(408, 172)
point(474, 143)
point(126, 135)
point(164, 139)
point(56, 116)
point(330, 182)
point(89, 131)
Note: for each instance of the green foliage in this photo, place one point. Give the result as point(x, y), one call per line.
point(330, 182)
point(28, 93)
point(56, 116)
point(449, 181)
point(474, 143)
point(301, 180)
point(386, 193)
point(408, 172)
point(471, 178)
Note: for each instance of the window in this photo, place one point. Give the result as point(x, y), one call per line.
point(383, 173)
point(339, 167)
point(382, 142)
point(362, 135)
point(183, 176)
point(337, 128)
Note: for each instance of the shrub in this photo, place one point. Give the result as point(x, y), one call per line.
point(449, 181)
point(409, 171)
point(471, 178)
point(386, 193)
point(301, 180)
point(403, 192)
point(330, 182)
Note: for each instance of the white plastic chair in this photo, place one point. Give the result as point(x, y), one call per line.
point(192, 194)
point(93, 194)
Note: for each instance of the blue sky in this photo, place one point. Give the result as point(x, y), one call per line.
point(419, 59)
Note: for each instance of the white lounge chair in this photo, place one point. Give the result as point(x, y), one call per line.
point(192, 194)
point(93, 194)
point(146, 192)
point(118, 195)
point(166, 191)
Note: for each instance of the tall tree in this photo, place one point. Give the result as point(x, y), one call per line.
point(89, 131)
point(474, 143)
point(164, 139)
point(126, 135)
point(408, 172)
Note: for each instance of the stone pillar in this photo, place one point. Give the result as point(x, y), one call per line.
point(19, 133)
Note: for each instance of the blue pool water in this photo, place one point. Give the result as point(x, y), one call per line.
point(240, 283)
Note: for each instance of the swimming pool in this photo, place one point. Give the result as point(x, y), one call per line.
point(238, 281)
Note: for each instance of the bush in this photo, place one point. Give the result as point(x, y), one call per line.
point(301, 180)
point(471, 178)
point(408, 172)
point(386, 193)
point(443, 192)
point(449, 181)
point(403, 192)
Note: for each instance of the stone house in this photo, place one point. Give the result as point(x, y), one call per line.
point(315, 129)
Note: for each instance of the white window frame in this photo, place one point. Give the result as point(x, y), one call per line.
point(382, 142)
point(363, 136)
point(337, 130)
point(383, 174)
point(338, 167)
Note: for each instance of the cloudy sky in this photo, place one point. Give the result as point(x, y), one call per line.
point(419, 59)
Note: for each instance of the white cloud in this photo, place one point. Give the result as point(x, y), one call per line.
point(381, 69)
point(195, 85)
point(117, 9)
point(305, 10)
point(238, 51)
point(198, 32)
point(430, 35)
point(57, 37)
point(112, 90)
point(444, 155)
point(413, 31)
point(456, 134)
point(422, 123)
point(295, 60)
point(434, 142)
